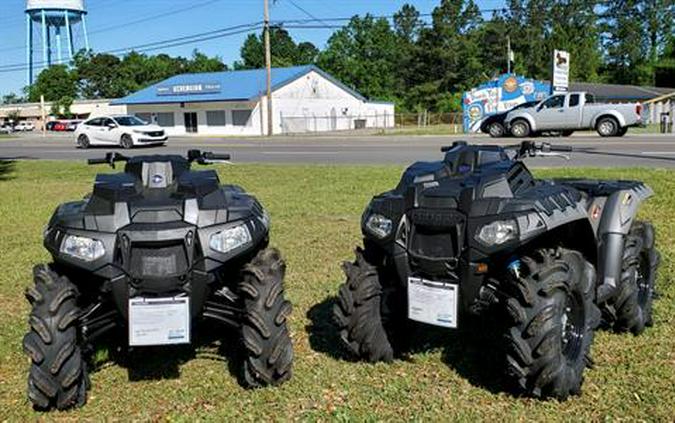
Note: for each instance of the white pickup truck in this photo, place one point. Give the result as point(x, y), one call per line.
point(574, 111)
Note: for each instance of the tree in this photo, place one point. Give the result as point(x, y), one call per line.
point(12, 98)
point(285, 52)
point(99, 75)
point(54, 83)
point(203, 63)
point(364, 55)
point(61, 107)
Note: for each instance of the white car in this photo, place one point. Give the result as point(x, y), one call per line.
point(24, 126)
point(125, 131)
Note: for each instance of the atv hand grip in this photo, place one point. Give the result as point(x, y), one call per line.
point(562, 148)
point(97, 161)
point(214, 156)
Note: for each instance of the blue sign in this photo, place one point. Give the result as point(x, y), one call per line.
point(499, 95)
point(189, 89)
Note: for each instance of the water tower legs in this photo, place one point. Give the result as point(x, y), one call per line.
point(69, 35)
point(29, 49)
point(86, 36)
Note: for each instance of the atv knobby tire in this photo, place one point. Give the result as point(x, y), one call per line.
point(58, 376)
point(360, 312)
point(268, 348)
point(551, 303)
point(630, 310)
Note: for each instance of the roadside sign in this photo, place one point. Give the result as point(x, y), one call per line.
point(561, 71)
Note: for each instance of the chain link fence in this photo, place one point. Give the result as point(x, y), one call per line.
point(445, 122)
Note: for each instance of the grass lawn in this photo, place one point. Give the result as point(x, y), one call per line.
point(315, 219)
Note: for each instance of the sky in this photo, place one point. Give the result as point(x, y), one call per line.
point(118, 24)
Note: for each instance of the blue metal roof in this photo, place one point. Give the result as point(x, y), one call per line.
point(243, 85)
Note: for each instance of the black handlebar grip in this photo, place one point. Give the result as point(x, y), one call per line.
point(217, 156)
point(562, 148)
point(97, 161)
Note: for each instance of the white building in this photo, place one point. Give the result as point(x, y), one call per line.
point(304, 99)
point(80, 109)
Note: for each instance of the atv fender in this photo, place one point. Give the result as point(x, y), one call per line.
point(618, 214)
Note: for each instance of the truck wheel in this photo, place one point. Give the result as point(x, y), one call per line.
point(362, 312)
point(520, 128)
point(268, 348)
point(126, 142)
point(58, 376)
point(496, 130)
point(631, 308)
point(554, 318)
point(622, 131)
point(567, 133)
point(607, 126)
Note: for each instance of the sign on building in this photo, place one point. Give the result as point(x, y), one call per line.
point(561, 71)
point(499, 95)
point(189, 89)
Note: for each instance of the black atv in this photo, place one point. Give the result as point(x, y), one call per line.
point(153, 251)
point(477, 233)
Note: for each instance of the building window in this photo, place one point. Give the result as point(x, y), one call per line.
point(147, 117)
point(165, 120)
point(215, 118)
point(241, 117)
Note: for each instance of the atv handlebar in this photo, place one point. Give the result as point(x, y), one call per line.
point(109, 159)
point(206, 157)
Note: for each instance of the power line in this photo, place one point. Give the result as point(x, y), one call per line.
point(157, 45)
point(134, 22)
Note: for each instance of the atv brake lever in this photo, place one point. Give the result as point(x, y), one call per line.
point(551, 154)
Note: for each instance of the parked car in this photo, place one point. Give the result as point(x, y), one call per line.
point(72, 125)
point(125, 131)
point(24, 126)
point(494, 124)
point(573, 112)
point(49, 126)
point(6, 129)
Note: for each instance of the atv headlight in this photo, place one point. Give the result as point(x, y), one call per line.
point(230, 238)
point(498, 232)
point(86, 249)
point(379, 225)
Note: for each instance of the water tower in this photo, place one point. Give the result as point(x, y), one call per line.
point(48, 23)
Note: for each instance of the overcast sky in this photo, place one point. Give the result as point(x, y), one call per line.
point(112, 24)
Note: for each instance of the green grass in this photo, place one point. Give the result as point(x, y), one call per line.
point(315, 218)
point(444, 129)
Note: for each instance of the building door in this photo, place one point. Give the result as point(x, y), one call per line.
point(191, 122)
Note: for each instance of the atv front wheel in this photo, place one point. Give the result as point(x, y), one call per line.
point(631, 308)
point(58, 376)
point(363, 310)
point(551, 303)
point(268, 348)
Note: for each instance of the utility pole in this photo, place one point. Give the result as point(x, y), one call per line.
point(508, 54)
point(268, 65)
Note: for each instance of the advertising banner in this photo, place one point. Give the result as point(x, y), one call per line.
point(561, 71)
point(499, 95)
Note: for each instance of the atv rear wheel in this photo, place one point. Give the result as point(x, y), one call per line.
point(363, 311)
point(58, 375)
point(268, 348)
point(631, 308)
point(554, 318)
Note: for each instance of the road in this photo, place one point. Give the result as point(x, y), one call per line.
point(341, 149)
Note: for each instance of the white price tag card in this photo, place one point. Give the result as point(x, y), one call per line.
point(159, 321)
point(432, 302)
